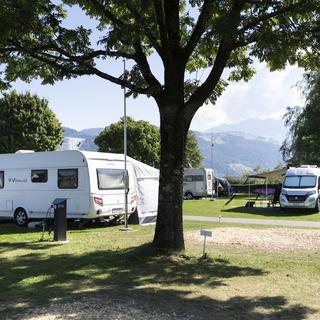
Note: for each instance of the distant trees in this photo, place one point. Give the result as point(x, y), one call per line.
point(143, 140)
point(26, 122)
point(143, 143)
point(303, 140)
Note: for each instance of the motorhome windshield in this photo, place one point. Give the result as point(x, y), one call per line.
point(300, 182)
point(110, 179)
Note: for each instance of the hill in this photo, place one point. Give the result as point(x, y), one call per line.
point(267, 128)
point(236, 152)
point(233, 152)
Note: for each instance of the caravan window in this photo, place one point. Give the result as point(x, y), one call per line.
point(1, 179)
point(197, 178)
point(110, 179)
point(39, 176)
point(67, 178)
point(192, 178)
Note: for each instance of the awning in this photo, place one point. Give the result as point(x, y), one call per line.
point(268, 174)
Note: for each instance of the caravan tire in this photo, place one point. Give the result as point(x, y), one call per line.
point(21, 217)
point(188, 196)
point(317, 207)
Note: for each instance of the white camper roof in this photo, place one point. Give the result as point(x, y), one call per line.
point(303, 171)
point(64, 158)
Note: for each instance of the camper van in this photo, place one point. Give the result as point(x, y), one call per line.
point(92, 182)
point(197, 183)
point(300, 188)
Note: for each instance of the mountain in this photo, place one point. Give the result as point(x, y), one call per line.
point(87, 134)
point(233, 152)
point(267, 128)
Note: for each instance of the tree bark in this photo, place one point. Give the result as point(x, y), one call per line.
point(168, 236)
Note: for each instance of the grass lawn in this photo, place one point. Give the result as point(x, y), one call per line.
point(106, 264)
point(236, 209)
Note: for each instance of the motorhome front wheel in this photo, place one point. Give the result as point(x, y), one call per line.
point(21, 217)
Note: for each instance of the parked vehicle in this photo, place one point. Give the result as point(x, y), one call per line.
point(300, 188)
point(197, 183)
point(93, 183)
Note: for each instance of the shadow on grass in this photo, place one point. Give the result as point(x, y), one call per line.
point(271, 212)
point(164, 284)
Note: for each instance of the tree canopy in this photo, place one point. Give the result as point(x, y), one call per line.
point(302, 143)
point(26, 122)
point(38, 41)
point(143, 143)
point(143, 140)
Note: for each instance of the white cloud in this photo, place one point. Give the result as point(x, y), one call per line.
point(267, 95)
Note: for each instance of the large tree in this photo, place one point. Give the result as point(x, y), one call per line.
point(188, 36)
point(302, 143)
point(143, 142)
point(26, 122)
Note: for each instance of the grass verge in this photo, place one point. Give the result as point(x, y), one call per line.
point(104, 263)
point(236, 209)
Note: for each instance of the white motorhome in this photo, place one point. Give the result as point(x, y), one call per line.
point(92, 182)
point(300, 188)
point(197, 183)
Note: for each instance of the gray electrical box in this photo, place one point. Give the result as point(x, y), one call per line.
point(60, 219)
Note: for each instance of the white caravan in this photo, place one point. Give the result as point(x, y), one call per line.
point(197, 183)
point(92, 182)
point(300, 188)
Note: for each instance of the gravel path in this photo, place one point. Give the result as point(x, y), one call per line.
point(269, 239)
point(284, 223)
point(96, 309)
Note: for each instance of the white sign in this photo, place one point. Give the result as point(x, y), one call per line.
point(206, 233)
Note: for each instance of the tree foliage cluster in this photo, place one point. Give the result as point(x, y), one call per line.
point(302, 143)
point(143, 143)
point(26, 122)
point(36, 41)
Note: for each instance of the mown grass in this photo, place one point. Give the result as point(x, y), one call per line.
point(236, 209)
point(233, 283)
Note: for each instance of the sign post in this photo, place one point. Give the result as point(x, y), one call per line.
point(205, 234)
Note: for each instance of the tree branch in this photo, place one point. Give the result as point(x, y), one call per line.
point(171, 9)
point(142, 62)
point(265, 17)
point(160, 17)
point(199, 28)
point(199, 97)
point(226, 46)
point(85, 69)
point(131, 7)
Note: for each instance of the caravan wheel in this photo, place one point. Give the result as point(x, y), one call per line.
point(21, 217)
point(188, 196)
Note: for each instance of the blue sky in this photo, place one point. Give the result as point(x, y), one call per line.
point(88, 102)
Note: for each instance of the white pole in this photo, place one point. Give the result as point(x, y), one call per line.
point(212, 187)
point(125, 149)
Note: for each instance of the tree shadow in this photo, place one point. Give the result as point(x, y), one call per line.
point(161, 283)
point(271, 211)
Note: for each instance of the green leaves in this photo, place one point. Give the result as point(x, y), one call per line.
point(26, 122)
point(143, 143)
point(302, 143)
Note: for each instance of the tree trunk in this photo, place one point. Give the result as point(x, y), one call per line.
point(169, 228)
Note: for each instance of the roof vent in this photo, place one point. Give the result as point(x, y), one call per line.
point(309, 166)
point(24, 151)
